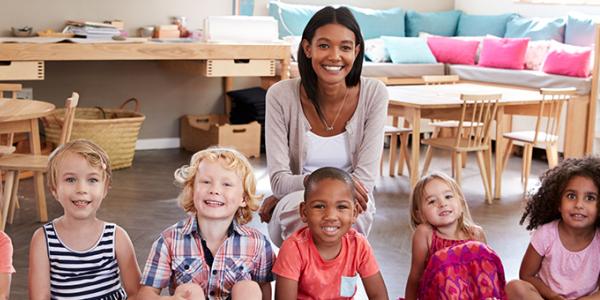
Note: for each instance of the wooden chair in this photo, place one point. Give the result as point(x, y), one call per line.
point(394, 133)
point(475, 109)
point(11, 89)
point(17, 162)
point(441, 127)
point(545, 133)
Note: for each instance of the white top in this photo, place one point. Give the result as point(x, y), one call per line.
point(331, 151)
point(570, 274)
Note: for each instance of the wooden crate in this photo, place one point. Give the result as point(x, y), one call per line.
point(22, 70)
point(238, 67)
point(200, 132)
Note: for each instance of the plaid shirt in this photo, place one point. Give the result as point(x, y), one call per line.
point(177, 257)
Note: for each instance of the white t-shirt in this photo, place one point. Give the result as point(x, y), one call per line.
point(331, 151)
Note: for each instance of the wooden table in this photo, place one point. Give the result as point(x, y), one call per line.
point(22, 116)
point(414, 102)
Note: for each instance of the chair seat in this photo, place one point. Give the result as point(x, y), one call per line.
point(454, 124)
point(449, 143)
point(528, 136)
point(4, 150)
point(388, 129)
point(19, 162)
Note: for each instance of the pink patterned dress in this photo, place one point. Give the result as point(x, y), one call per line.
point(461, 269)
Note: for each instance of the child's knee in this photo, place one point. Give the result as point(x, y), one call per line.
point(516, 289)
point(246, 289)
point(192, 290)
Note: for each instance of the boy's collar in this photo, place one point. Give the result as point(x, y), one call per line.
point(191, 225)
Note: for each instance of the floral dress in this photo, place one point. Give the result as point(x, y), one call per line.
point(461, 269)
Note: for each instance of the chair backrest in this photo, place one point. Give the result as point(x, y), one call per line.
point(70, 105)
point(11, 88)
point(548, 118)
point(477, 109)
point(440, 79)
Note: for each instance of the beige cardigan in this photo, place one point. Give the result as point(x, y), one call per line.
point(286, 125)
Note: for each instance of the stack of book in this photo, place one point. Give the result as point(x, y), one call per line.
point(166, 31)
point(91, 30)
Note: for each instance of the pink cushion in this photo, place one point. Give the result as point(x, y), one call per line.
point(506, 53)
point(453, 50)
point(567, 60)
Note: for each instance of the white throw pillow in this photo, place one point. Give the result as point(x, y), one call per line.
point(294, 41)
point(375, 50)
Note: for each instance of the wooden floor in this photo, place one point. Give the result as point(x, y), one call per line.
point(142, 201)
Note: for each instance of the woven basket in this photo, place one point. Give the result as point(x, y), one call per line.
point(115, 130)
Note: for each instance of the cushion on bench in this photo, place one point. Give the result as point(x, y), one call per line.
point(371, 69)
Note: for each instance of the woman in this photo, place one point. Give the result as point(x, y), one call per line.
point(330, 116)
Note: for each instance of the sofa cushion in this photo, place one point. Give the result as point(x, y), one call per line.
point(580, 29)
point(506, 53)
point(480, 25)
point(375, 50)
point(294, 41)
point(292, 18)
point(536, 28)
point(567, 60)
point(438, 23)
point(371, 69)
point(453, 50)
point(527, 78)
point(408, 50)
point(536, 52)
point(375, 23)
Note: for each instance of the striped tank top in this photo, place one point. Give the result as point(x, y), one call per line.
point(89, 274)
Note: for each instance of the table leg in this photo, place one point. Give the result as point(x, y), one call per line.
point(414, 116)
point(501, 128)
point(38, 177)
point(393, 148)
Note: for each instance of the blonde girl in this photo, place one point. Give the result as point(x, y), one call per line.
point(78, 256)
point(442, 225)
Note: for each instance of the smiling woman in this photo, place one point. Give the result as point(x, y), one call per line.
point(329, 117)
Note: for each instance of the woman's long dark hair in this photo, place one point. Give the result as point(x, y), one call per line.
point(328, 15)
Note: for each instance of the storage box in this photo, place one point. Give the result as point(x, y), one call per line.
point(241, 29)
point(238, 67)
point(201, 132)
point(22, 70)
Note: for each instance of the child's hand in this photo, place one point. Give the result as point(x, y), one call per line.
point(266, 209)
point(185, 295)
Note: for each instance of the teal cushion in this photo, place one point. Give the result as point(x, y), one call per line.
point(438, 23)
point(481, 25)
point(536, 29)
point(292, 18)
point(375, 23)
point(580, 29)
point(408, 50)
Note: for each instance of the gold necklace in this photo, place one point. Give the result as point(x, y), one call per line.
point(330, 128)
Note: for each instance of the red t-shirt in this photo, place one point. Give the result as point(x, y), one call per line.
point(6, 252)
point(299, 260)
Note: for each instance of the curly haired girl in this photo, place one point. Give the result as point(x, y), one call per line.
point(562, 260)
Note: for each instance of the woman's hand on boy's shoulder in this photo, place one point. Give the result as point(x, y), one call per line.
point(266, 208)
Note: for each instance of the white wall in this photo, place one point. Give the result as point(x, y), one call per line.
point(530, 10)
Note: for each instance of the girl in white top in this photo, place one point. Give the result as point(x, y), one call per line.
point(77, 256)
point(563, 258)
point(329, 98)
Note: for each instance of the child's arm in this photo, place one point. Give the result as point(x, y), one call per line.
point(39, 267)
point(530, 266)
point(375, 287)
point(130, 271)
point(286, 288)
point(4, 285)
point(265, 288)
point(150, 293)
point(420, 248)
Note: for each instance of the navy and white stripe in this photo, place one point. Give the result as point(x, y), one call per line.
point(90, 274)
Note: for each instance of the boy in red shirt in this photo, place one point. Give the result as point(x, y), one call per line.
point(325, 259)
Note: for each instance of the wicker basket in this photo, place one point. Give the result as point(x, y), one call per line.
point(115, 130)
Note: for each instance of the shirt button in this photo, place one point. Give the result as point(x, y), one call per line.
point(186, 267)
point(214, 272)
point(212, 293)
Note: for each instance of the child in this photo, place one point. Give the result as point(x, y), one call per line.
point(6, 267)
point(563, 258)
point(211, 254)
point(450, 259)
point(325, 259)
point(77, 256)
